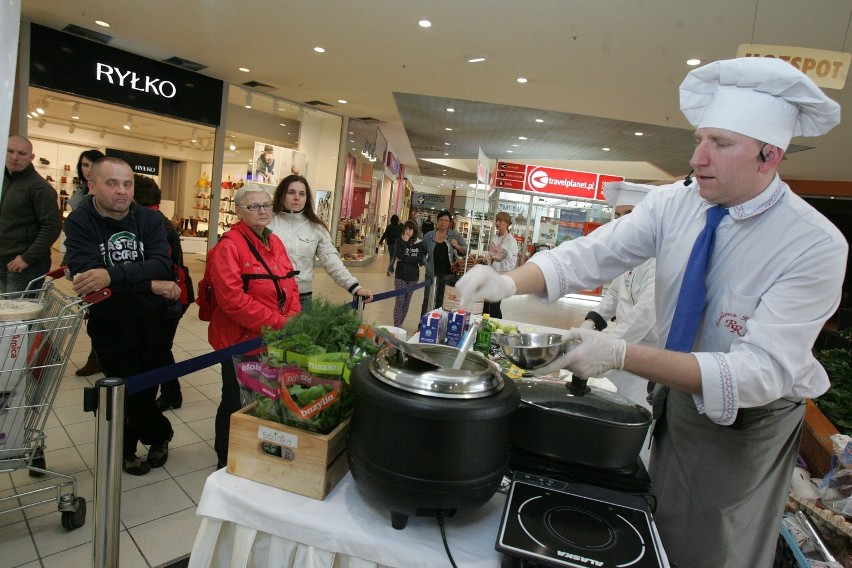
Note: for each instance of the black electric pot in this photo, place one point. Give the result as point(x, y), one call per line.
point(426, 439)
point(573, 422)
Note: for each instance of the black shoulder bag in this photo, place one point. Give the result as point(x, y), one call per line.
point(282, 298)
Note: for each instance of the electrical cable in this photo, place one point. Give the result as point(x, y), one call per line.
point(440, 517)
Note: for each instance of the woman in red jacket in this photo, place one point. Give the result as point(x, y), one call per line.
point(252, 280)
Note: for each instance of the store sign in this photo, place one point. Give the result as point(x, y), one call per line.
point(140, 163)
point(827, 69)
point(551, 181)
point(430, 200)
point(393, 164)
point(71, 64)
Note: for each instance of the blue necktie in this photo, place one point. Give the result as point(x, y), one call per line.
point(693, 289)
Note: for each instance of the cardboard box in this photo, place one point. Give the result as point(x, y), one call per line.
point(310, 464)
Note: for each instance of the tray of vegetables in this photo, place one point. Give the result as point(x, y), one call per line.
point(302, 378)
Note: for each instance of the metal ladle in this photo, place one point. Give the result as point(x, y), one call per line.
point(468, 341)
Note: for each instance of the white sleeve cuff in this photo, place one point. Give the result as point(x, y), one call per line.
point(719, 400)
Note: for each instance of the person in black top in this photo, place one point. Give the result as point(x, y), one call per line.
point(428, 225)
point(411, 255)
point(391, 234)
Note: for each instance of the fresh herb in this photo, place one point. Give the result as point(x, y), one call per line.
point(836, 402)
point(330, 326)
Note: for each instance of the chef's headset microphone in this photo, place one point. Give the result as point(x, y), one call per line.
point(688, 180)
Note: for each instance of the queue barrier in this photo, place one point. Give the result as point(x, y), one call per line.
point(108, 396)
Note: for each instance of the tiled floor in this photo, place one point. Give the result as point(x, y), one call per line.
point(158, 522)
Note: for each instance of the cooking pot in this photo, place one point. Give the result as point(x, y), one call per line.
point(577, 423)
point(427, 439)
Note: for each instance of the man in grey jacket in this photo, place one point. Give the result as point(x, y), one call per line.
point(30, 221)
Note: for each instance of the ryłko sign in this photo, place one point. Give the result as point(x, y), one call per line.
point(825, 68)
point(551, 181)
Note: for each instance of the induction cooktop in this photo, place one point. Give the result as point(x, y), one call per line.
point(557, 523)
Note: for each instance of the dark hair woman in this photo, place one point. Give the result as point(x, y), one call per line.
point(305, 237)
point(392, 233)
point(410, 253)
point(84, 162)
point(443, 246)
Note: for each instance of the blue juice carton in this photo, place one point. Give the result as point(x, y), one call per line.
point(432, 326)
point(458, 321)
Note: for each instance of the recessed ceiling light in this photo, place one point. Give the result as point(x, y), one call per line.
point(282, 124)
point(693, 62)
point(319, 49)
point(605, 149)
point(128, 122)
point(248, 100)
point(449, 129)
point(515, 145)
point(194, 138)
point(521, 80)
point(39, 110)
point(75, 111)
point(446, 154)
point(522, 137)
point(245, 69)
point(509, 151)
point(639, 133)
point(102, 23)
point(342, 101)
point(446, 143)
point(424, 24)
point(451, 110)
point(476, 59)
point(539, 120)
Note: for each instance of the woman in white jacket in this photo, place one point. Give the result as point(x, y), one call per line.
point(305, 237)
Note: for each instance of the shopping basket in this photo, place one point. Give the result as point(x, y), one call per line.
point(38, 328)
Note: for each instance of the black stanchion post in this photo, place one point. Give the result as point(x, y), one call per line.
point(109, 455)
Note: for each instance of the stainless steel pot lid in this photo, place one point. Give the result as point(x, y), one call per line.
point(478, 377)
point(591, 403)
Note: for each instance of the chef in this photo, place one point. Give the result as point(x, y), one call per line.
point(629, 298)
point(728, 431)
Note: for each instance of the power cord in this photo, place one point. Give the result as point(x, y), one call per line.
point(440, 517)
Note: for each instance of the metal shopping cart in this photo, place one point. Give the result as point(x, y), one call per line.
point(38, 328)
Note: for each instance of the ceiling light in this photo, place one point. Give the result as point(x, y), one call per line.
point(281, 124)
point(248, 100)
point(539, 120)
point(449, 129)
point(39, 110)
point(276, 107)
point(71, 128)
point(128, 122)
point(605, 149)
point(639, 133)
point(476, 59)
point(424, 24)
point(509, 151)
point(446, 154)
point(521, 80)
point(446, 143)
point(342, 101)
point(451, 110)
point(194, 135)
point(244, 69)
point(102, 23)
point(319, 49)
point(693, 62)
point(232, 146)
point(75, 111)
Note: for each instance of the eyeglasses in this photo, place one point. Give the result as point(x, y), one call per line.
point(255, 207)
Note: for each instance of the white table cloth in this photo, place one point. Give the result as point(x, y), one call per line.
point(247, 524)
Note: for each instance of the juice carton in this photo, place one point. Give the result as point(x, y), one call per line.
point(457, 323)
point(432, 327)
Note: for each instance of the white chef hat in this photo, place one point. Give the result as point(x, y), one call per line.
point(764, 98)
point(618, 193)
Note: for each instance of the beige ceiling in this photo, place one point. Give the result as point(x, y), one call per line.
point(598, 70)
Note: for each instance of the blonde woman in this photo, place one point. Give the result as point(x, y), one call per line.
point(503, 253)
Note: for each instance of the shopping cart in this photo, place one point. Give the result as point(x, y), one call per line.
point(38, 328)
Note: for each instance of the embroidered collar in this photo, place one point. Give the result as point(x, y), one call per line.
point(763, 201)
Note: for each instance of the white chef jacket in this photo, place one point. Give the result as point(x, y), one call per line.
point(630, 299)
point(774, 279)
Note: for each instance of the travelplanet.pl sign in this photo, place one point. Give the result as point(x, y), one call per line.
point(131, 80)
point(552, 181)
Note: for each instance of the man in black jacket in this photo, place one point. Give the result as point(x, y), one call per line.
point(113, 242)
point(30, 221)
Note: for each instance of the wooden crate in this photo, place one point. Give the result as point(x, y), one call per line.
point(816, 447)
point(310, 464)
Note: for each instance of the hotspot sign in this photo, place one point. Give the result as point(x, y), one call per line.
point(552, 181)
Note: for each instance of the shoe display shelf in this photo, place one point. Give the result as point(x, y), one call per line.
point(64, 181)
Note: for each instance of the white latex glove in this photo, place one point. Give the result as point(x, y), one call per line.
point(587, 324)
point(483, 283)
point(596, 354)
